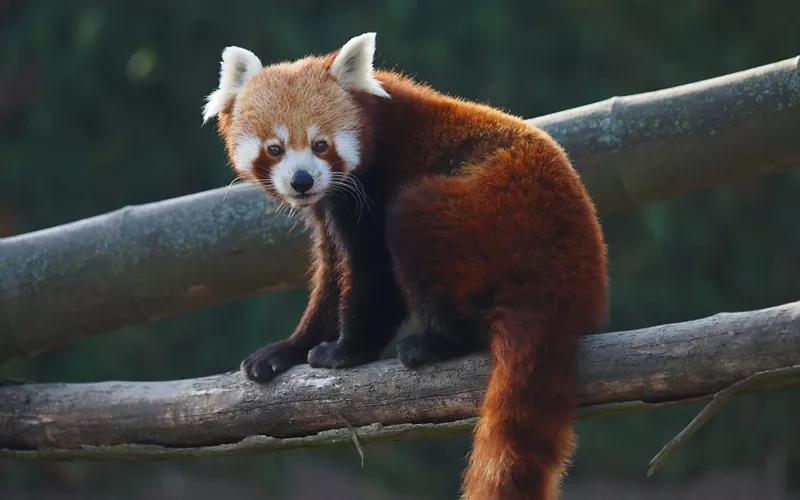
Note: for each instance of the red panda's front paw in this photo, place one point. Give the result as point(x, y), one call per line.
point(272, 359)
point(339, 355)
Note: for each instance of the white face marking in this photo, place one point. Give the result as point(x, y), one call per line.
point(245, 152)
point(313, 130)
point(294, 161)
point(348, 148)
point(282, 132)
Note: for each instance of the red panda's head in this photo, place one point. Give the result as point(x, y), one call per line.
point(296, 128)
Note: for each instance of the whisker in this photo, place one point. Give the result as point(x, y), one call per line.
point(348, 190)
point(353, 185)
point(228, 187)
point(248, 184)
point(353, 192)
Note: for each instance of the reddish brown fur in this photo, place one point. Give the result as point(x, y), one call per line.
point(486, 230)
point(294, 94)
point(515, 239)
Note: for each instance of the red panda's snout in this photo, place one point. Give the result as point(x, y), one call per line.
point(300, 177)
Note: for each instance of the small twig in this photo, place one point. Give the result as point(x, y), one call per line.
point(354, 435)
point(710, 409)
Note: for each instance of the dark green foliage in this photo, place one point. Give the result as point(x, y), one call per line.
point(100, 107)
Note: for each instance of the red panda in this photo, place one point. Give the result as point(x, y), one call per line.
point(425, 203)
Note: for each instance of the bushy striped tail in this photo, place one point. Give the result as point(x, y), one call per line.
point(524, 440)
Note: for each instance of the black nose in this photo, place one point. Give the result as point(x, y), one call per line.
point(302, 181)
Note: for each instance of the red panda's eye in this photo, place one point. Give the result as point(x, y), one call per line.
point(320, 146)
point(275, 150)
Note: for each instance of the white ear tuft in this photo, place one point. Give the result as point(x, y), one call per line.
point(237, 66)
point(353, 65)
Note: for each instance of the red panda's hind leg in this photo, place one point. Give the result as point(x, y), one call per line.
point(420, 235)
point(438, 343)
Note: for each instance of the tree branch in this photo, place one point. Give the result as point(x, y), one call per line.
point(637, 149)
point(226, 414)
point(753, 382)
point(143, 263)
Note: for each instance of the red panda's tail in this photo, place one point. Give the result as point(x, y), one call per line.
point(524, 440)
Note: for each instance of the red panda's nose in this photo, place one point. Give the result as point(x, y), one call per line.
point(301, 181)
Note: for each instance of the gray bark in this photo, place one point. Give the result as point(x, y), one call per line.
point(143, 263)
point(226, 414)
point(637, 149)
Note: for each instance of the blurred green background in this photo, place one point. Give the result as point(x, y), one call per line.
point(100, 107)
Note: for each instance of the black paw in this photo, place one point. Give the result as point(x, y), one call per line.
point(415, 350)
point(339, 355)
point(420, 348)
point(273, 359)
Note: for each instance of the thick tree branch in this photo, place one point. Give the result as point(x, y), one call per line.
point(143, 263)
point(226, 414)
point(637, 149)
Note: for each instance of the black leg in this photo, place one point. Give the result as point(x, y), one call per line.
point(439, 341)
point(318, 324)
point(371, 306)
point(371, 311)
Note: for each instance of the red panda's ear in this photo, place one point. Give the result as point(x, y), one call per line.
point(352, 66)
point(237, 66)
